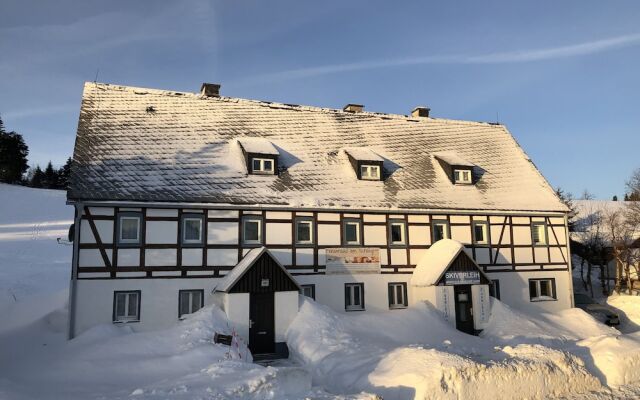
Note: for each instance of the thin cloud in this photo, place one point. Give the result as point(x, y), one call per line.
point(553, 53)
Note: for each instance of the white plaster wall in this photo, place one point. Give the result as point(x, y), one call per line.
point(330, 289)
point(237, 310)
point(282, 255)
point(418, 218)
point(222, 233)
point(328, 217)
point(557, 255)
point(160, 257)
point(514, 290)
point(374, 218)
point(460, 219)
point(328, 235)
point(416, 255)
point(503, 255)
point(496, 231)
point(304, 256)
point(100, 210)
point(222, 257)
point(191, 257)
point(398, 256)
point(161, 232)
point(482, 255)
point(92, 257)
point(286, 309)
point(278, 233)
point(162, 212)
point(375, 235)
point(541, 254)
point(278, 215)
point(419, 234)
point(158, 305)
point(461, 233)
point(128, 257)
point(104, 228)
point(523, 255)
point(522, 234)
point(223, 214)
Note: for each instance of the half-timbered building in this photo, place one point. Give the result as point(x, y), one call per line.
point(188, 199)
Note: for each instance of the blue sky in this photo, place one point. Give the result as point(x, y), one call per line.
point(562, 75)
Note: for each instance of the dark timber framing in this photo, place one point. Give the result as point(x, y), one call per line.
point(503, 223)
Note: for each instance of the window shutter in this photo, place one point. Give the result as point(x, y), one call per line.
point(532, 289)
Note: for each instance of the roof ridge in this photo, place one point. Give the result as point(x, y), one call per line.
point(276, 104)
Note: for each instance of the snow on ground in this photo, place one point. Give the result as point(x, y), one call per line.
point(628, 309)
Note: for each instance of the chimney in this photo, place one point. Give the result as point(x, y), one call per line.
point(354, 108)
point(420, 112)
point(210, 90)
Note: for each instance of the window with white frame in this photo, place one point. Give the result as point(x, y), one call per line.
point(539, 233)
point(397, 233)
point(126, 306)
point(480, 232)
point(189, 301)
point(462, 176)
point(262, 165)
point(304, 231)
point(351, 232)
point(252, 230)
point(308, 291)
point(542, 289)
point(440, 230)
point(398, 295)
point(129, 228)
point(192, 226)
point(354, 296)
point(370, 172)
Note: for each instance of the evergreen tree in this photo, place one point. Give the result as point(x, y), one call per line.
point(626, 197)
point(567, 199)
point(615, 198)
point(13, 156)
point(63, 174)
point(38, 178)
point(50, 177)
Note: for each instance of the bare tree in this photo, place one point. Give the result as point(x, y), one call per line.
point(622, 230)
point(592, 249)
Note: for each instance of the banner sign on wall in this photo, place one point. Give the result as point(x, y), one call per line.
point(462, 278)
point(354, 260)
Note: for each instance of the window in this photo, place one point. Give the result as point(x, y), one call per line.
point(494, 289)
point(252, 230)
point(126, 306)
point(354, 296)
point(351, 232)
point(189, 301)
point(539, 233)
point(462, 176)
point(440, 230)
point(542, 289)
point(397, 233)
point(192, 225)
point(398, 295)
point(370, 172)
point(308, 291)
point(129, 228)
point(304, 231)
point(480, 232)
point(262, 165)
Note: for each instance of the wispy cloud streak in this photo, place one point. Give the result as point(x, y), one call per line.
point(522, 56)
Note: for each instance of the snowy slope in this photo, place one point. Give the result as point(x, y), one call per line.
point(34, 268)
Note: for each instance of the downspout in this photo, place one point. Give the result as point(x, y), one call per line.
point(74, 272)
point(569, 259)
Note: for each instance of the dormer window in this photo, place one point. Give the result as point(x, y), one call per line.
point(462, 176)
point(262, 165)
point(370, 172)
point(261, 156)
point(459, 170)
point(366, 163)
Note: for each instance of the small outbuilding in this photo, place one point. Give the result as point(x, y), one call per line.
point(447, 277)
point(260, 299)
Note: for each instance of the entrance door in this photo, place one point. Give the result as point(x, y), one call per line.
point(261, 324)
point(464, 310)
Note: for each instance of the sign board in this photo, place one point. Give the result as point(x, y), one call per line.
point(445, 303)
point(353, 260)
point(462, 278)
point(481, 305)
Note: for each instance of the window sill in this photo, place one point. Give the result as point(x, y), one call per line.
point(354, 309)
point(309, 244)
point(398, 245)
point(541, 299)
point(126, 322)
point(397, 307)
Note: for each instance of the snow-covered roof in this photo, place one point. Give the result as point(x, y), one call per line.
point(453, 158)
point(258, 145)
point(243, 266)
point(363, 154)
point(137, 144)
point(588, 214)
point(435, 261)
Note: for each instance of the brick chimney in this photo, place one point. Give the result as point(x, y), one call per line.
point(420, 112)
point(210, 90)
point(354, 108)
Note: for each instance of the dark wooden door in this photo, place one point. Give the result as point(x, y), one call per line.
point(464, 308)
point(261, 325)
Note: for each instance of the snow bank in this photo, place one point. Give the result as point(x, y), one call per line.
point(615, 359)
point(424, 357)
point(629, 310)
